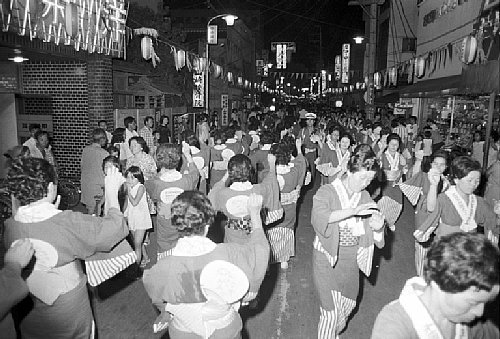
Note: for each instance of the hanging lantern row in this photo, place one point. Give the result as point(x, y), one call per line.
point(469, 49)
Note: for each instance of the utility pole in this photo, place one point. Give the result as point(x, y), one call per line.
point(372, 50)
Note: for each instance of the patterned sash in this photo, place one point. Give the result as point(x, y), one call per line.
point(467, 212)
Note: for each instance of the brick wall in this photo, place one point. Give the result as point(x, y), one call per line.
point(100, 91)
point(65, 83)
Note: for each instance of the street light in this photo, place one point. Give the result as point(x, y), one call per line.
point(359, 39)
point(229, 18)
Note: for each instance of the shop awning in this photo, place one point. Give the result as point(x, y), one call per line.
point(433, 88)
point(390, 98)
point(481, 79)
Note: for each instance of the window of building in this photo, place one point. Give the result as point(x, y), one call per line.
point(140, 101)
point(409, 45)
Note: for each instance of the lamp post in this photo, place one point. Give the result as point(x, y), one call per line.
point(229, 18)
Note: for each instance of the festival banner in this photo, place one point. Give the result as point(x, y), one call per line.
point(198, 90)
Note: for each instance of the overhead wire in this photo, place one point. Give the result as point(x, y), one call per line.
point(406, 19)
point(304, 16)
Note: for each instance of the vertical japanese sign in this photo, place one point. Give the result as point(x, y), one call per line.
point(346, 55)
point(323, 81)
point(260, 66)
point(281, 56)
point(224, 104)
point(338, 67)
point(212, 34)
point(198, 90)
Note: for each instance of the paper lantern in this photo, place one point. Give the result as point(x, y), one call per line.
point(71, 19)
point(203, 64)
point(230, 76)
point(147, 47)
point(240, 81)
point(181, 58)
point(420, 67)
point(377, 79)
point(393, 76)
point(469, 49)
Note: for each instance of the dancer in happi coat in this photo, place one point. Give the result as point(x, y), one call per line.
point(290, 177)
point(394, 166)
point(347, 226)
point(225, 148)
point(458, 209)
point(422, 191)
point(310, 143)
point(230, 196)
point(461, 275)
point(61, 239)
point(333, 164)
point(200, 287)
point(259, 156)
point(200, 153)
point(166, 186)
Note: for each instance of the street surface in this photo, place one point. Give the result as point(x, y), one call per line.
point(288, 306)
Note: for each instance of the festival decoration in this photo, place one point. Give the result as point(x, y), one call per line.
point(198, 90)
point(346, 55)
point(420, 67)
point(469, 49)
point(393, 76)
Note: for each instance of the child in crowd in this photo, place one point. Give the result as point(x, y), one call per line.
point(478, 147)
point(137, 211)
point(114, 151)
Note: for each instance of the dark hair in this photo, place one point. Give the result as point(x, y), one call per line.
point(118, 136)
point(168, 156)
point(192, 139)
point(111, 160)
point(163, 117)
point(102, 121)
point(427, 163)
point(267, 137)
point(334, 127)
point(239, 169)
point(33, 127)
point(458, 261)
point(40, 133)
point(146, 119)
point(363, 157)
point(394, 136)
point(112, 148)
point(463, 165)
point(28, 179)
point(141, 142)
point(191, 212)
point(136, 172)
point(495, 136)
point(229, 132)
point(282, 152)
point(98, 135)
point(427, 134)
point(128, 120)
point(348, 136)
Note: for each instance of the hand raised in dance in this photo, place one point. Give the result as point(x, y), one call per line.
point(376, 221)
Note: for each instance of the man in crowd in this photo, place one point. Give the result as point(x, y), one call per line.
point(104, 126)
point(31, 142)
point(147, 132)
point(461, 275)
point(92, 175)
point(43, 150)
point(130, 127)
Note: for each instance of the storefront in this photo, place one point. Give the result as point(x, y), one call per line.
point(457, 69)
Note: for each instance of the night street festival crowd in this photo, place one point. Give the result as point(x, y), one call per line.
point(248, 178)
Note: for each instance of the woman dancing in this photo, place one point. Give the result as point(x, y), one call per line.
point(199, 288)
point(347, 226)
point(422, 191)
point(458, 209)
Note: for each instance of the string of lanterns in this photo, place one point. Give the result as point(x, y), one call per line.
point(182, 58)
